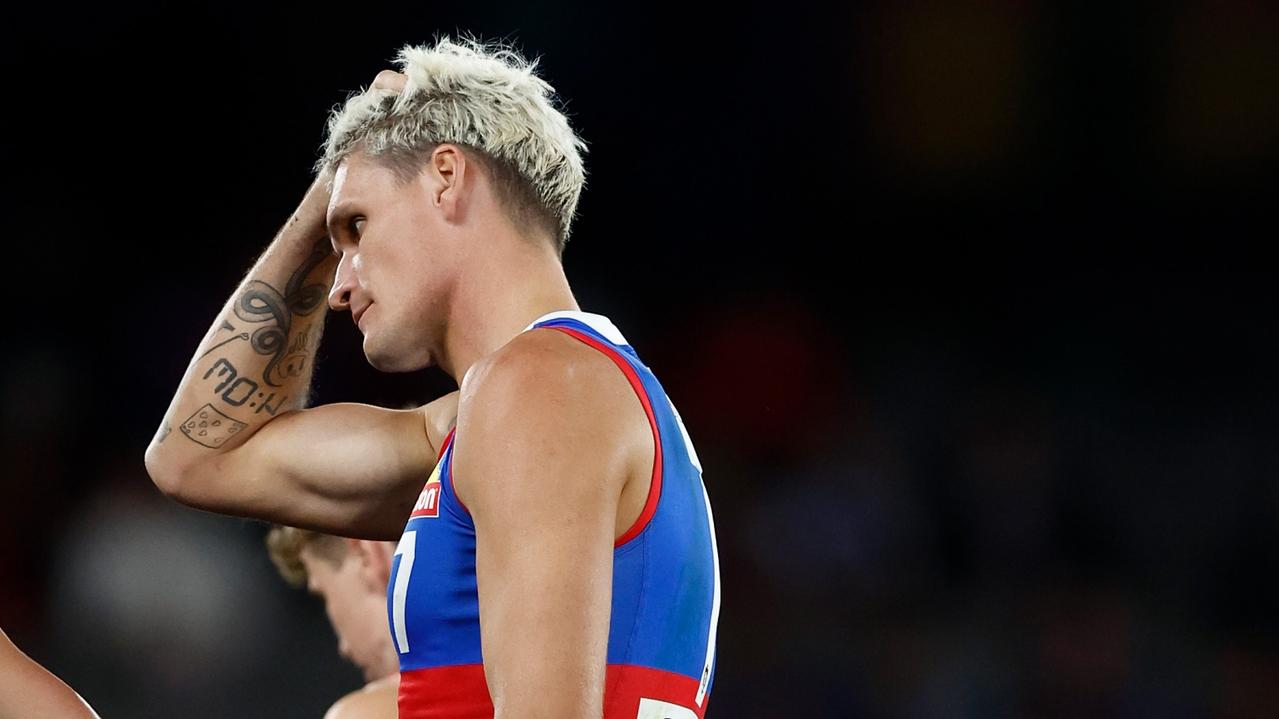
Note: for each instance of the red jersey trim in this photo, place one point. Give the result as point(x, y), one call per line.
point(628, 684)
point(449, 479)
point(461, 692)
point(453, 692)
point(655, 485)
point(444, 447)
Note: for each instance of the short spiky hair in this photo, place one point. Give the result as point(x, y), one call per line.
point(482, 96)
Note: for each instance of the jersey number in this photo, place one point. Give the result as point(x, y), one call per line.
point(405, 551)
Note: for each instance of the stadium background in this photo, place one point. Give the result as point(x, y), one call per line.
point(965, 305)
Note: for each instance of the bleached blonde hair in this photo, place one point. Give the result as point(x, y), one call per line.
point(285, 544)
point(484, 97)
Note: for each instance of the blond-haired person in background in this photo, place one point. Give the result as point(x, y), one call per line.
point(350, 575)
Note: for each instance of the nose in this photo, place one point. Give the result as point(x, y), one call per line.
point(343, 281)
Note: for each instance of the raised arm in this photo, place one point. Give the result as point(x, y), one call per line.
point(236, 438)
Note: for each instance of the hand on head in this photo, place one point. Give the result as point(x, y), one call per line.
point(389, 80)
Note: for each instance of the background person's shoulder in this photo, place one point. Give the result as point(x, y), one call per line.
point(377, 700)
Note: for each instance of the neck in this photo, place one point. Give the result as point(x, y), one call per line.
point(500, 297)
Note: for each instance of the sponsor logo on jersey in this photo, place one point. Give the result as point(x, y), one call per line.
point(428, 502)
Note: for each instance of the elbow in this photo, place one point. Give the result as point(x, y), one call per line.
point(168, 476)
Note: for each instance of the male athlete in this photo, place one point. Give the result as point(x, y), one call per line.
point(556, 552)
point(351, 576)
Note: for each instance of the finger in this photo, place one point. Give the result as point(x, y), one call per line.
point(389, 80)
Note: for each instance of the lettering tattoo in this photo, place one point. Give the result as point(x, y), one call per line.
point(210, 427)
point(262, 303)
point(236, 390)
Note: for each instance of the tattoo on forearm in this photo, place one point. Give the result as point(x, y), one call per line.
point(210, 427)
point(165, 429)
point(236, 390)
point(225, 325)
point(294, 360)
point(261, 302)
point(304, 299)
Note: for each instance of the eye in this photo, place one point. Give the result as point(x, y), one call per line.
point(357, 225)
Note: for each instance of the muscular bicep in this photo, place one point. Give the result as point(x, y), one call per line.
point(348, 469)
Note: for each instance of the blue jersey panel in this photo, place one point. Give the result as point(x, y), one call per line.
point(665, 602)
point(442, 609)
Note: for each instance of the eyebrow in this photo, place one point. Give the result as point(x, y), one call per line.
point(343, 210)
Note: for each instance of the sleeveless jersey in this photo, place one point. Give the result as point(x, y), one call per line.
point(666, 593)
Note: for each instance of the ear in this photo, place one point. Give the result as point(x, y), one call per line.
point(448, 180)
point(375, 561)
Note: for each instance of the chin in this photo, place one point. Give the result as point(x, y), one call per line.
point(393, 359)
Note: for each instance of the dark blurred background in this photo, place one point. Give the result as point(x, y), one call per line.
point(966, 305)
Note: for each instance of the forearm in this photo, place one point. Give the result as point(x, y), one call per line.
point(255, 362)
point(28, 689)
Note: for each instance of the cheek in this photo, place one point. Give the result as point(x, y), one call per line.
point(386, 270)
point(337, 605)
point(412, 245)
point(375, 627)
point(405, 282)
point(410, 293)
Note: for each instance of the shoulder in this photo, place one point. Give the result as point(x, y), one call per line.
point(548, 406)
point(546, 369)
point(375, 701)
